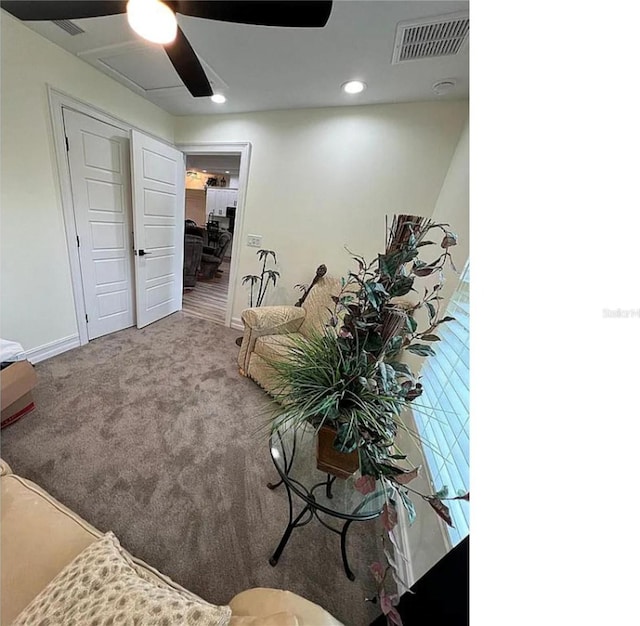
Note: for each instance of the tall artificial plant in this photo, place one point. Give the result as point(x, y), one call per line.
point(258, 284)
point(353, 376)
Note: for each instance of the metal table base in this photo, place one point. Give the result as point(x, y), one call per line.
point(311, 511)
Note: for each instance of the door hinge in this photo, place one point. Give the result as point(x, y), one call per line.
point(86, 317)
point(66, 140)
point(78, 240)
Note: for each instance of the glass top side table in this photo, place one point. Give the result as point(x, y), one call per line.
point(293, 454)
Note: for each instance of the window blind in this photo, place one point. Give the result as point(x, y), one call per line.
point(442, 412)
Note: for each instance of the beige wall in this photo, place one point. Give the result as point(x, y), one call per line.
point(323, 178)
point(452, 207)
point(318, 179)
point(37, 301)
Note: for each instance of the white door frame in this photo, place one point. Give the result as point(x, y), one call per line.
point(58, 100)
point(243, 150)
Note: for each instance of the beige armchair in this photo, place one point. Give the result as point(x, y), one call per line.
point(269, 331)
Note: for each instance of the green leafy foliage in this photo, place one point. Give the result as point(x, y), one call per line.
point(421, 349)
point(442, 493)
point(402, 286)
point(353, 377)
point(408, 506)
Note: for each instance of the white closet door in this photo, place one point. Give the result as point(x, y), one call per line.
point(158, 175)
point(99, 165)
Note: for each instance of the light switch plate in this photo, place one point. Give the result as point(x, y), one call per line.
point(254, 241)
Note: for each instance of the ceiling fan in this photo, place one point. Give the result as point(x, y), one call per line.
point(155, 20)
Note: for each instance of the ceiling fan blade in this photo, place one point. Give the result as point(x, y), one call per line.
point(307, 14)
point(188, 66)
point(65, 10)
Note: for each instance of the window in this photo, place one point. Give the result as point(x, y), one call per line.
point(442, 412)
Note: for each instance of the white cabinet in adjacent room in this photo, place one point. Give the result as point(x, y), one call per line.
point(228, 197)
point(211, 201)
point(219, 199)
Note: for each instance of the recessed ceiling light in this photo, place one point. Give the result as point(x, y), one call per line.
point(218, 98)
point(354, 86)
point(226, 171)
point(205, 171)
point(153, 20)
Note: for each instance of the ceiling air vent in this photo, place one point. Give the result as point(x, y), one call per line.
point(69, 26)
point(431, 37)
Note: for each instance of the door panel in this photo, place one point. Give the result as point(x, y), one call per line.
point(112, 303)
point(158, 208)
point(159, 295)
point(158, 168)
point(101, 152)
point(107, 236)
point(110, 271)
point(100, 184)
point(159, 203)
point(104, 196)
point(159, 266)
point(159, 236)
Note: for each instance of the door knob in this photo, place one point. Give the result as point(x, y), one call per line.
point(143, 253)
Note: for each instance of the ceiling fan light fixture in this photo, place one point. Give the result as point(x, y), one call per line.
point(153, 20)
point(354, 86)
point(218, 98)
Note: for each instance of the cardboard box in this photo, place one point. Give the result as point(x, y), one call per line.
point(17, 381)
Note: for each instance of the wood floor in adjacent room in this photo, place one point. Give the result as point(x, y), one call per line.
point(208, 299)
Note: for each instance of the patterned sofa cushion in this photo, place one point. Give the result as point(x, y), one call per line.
point(100, 587)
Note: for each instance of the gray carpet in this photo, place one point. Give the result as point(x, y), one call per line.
point(152, 434)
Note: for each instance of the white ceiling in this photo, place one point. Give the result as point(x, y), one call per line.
point(264, 68)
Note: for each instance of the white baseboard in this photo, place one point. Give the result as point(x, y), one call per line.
point(405, 568)
point(236, 323)
point(41, 353)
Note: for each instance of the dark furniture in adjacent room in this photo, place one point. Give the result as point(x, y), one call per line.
point(193, 247)
point(212, 256)
point(231, 214)
point(213, 232)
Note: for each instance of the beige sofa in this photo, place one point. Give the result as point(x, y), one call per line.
point(269, 331)
point(40, 537)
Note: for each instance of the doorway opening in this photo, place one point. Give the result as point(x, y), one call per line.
point(212, 183)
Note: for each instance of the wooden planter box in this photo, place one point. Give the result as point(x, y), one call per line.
point(329, 459)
